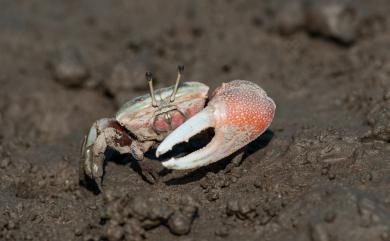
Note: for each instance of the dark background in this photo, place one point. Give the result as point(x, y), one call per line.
point(321, 173)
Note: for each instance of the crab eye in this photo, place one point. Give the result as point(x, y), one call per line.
point(161, 124)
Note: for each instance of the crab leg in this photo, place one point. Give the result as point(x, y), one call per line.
point(239, 111)
point(104, 133)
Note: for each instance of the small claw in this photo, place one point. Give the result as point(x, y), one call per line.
point(92, 152)
point(240, 111)
point(91, 165)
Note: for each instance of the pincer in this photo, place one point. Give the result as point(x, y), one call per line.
point(239, 111)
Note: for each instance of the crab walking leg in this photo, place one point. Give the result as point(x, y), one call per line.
point(240, 111)
point(104, 133)
point(88, 164)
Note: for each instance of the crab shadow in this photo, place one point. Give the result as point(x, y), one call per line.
point(171, 177)
point(180, 178)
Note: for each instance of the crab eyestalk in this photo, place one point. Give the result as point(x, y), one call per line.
point(149, 78)
point(180, 69)
point(239, 111)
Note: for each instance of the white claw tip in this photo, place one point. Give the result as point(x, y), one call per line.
point(170, 164)
point(160, 151)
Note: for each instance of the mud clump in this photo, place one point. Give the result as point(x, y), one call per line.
point(335, 19)
point(68, 67)
point(255, 210)
point(379, 120)
point(128, 218)
point(343, 21)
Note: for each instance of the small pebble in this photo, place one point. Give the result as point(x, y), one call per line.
point(222, 232)
point(78, 232)
point(258, 183)
point(92, 207)
point(324, 171)
point(11, 224)
point(335, 19)
point(68, 67)
point(233, 179)
point(366, 177)
point(385, 236)
point(114, 233)
point(232, 207)
point(213, 195)
point(387, 95)
point(179, 224)
point(5, 162)
point(331, 176)
point(190, 207)
point(318, 233)
point(289, 16)
point(330, 216)
point(135, 43)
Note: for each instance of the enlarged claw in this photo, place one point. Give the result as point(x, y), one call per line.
point(239, 111)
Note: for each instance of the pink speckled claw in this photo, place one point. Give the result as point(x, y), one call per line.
point(239, 111)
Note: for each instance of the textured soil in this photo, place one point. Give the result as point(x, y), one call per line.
point(320, 173)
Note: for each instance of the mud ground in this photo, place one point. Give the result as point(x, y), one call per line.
point(320, 173)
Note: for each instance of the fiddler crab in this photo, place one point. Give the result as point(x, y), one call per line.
point(239, 111)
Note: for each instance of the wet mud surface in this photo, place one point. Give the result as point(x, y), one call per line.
point(321, 172)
